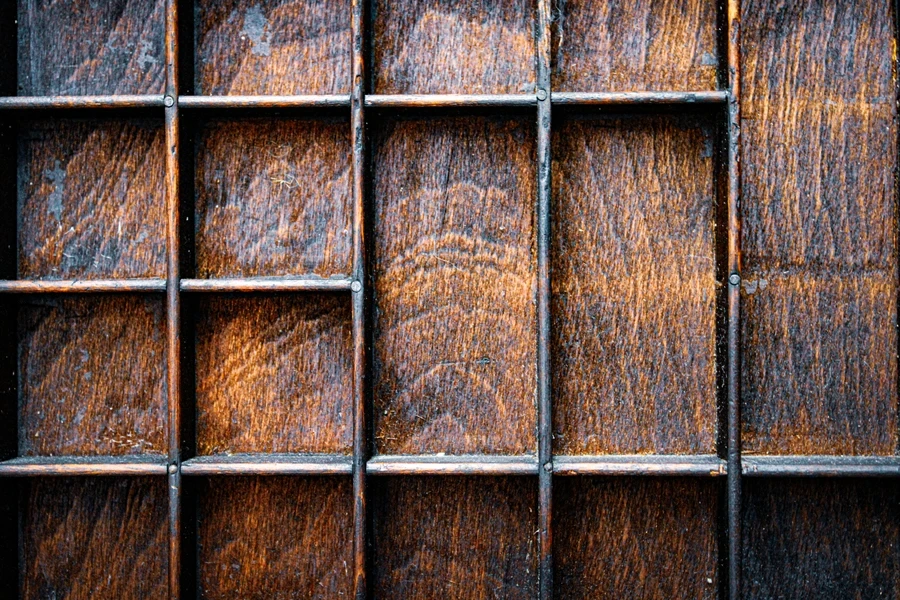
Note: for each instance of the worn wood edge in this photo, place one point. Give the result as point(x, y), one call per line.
point(637, 98)
point(76, 102)
point(820, 466)
point(82, 286)
point(268, 464)
point(71, 466)
point(448, 100)
point(701, 465)
point(305, 101)
point(464, 464)
point(267, 284)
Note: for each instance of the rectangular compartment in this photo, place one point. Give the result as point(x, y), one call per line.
point(634, 286)
point(466, 537)
point(275, 537)
point(273, 198)
point(92, 375)
point(635, 538)
point(819, 154)
point(459, 47)
point(84, 47)
point(454, 284)
point(91, 201)
point(94, 538)
point(274, 373)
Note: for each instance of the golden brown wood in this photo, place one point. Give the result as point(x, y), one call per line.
point(454, 277)
point(92, 375)
point(94, 538)
point(273, 198)
point(460, 537)
point(273, 374)
point(90, 200)
point(633, 304)
point(635, 538)
point(275, 537)
point(820, 223)
point(642, 45)
point(284, 47)
point(458, 47)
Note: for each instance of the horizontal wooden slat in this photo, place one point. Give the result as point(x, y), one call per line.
point(821, 466)
point(268, 464)
point(642, 464)
point(81, 102)
point(637, 98)
point(308, 101)
point(449, 100)
point(266, 284)
point(472, 464)
point(83, 286)
point(44, 466)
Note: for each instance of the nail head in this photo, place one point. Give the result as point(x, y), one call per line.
point(734, 279)
point(356, 286)
point(170, 101)
point(542, 95)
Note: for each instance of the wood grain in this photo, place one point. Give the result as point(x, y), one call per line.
point(820, 228)
point(642, 45)
point(275, 538)
point(273, 198)
point(460, 537)
point(84, 47)
point(635, 538)
point(274, 374)
point(454, 284)
point(94, 538)
point(453, 47)
point(822, 540)
point(92, 375)
point(272, 47)
point(633, 286)
point(90, 200)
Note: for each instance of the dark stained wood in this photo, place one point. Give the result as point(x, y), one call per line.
point(90, 199)
point(633, 299)
point(83, 47)
point(659, 45)
point(820, 227)
point(635, 538)
point(822, 540)
point(454, 277)
point(457, 47)
point(275, 538)
point(273, 374)
point(272, 47)
point(92, 375)
point(273, 198)
point(94, 538)
point(459, 537)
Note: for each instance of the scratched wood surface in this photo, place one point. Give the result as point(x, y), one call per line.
point(275, 538)
point(273, 374)
point(617, 538)
point(456, 47)
point(827, 539)
point(820, 228)
point(462, 538)
point(454, 281)
point(633, 296)
point(92, 375)
point(273, 198)
point(642, 45)
point(90, 199)
point(94, 538)
point(79, 47)
point(275, 47)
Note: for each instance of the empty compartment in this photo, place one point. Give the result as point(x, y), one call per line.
point(634, 286)
point(91, 199)
point(458, 47)
point(273, 198)
point(84, 47)
point(459, 537)
point(92, 375)
point(275, 537)
point(454, 281)
point(274, 374)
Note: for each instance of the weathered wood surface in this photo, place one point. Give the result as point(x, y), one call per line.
point(84, 47)
point(90, 199)
point(642, 45)
point(94, 538)
point(273, 374)
point(459, 47)
point(272, 47)
point(635, 538)
point(820, 228)
point(634, 291)
point(454, 285)
point(92, 375)
point(273, 198)
point(459, 537)
point(275, 538)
